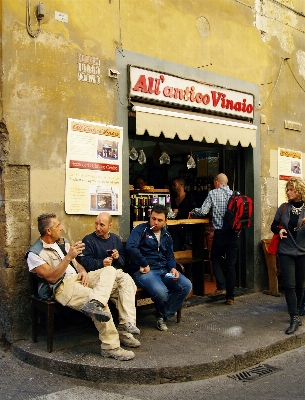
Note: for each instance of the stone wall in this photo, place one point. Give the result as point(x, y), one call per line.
point(14, 239)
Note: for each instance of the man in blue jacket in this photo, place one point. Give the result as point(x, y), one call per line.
point(150, 248)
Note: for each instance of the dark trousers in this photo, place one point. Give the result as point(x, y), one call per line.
point(293, 278)
point(225, 246)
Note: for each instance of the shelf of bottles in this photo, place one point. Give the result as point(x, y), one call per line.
point(141, 204)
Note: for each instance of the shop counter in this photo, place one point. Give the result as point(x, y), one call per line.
point(173, 222)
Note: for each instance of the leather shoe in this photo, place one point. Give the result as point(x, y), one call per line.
point(217, 293)
point(294, 325)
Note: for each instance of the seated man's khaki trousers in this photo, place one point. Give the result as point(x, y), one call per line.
point(104, 284)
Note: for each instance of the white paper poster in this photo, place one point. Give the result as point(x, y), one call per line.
point(289, 164)
point(93, 168)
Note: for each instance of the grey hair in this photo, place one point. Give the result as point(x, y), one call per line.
point(45, 222)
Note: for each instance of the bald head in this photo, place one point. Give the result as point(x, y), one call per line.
point(105, 215)
point(103, 224)
point(221, 179)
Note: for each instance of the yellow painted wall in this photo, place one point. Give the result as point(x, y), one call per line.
point(240, 39)
point(243, 39)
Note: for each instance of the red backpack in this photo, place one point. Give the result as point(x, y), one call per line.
point(238, 213)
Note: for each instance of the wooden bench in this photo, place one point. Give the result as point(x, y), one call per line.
point(51, 307)
point(273, 271)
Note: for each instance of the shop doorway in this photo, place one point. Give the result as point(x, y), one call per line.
point(210, 159)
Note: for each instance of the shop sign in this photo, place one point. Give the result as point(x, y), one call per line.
point(160, 87)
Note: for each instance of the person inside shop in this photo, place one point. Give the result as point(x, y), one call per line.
point(153, 267)
point(225, 241)
point(291, 248)
point(141, 181)
point(52, 258)
point(182, 203)
point(103, 249)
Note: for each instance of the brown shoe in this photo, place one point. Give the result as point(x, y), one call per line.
point(118, 354)
point(217, 293)
point(229, 302)
point(128, 340)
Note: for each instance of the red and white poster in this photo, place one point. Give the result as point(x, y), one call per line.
point(93, 168)
point(289, 164)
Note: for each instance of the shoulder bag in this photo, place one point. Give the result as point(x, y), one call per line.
point(274, 244)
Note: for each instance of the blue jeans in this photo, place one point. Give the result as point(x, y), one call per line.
point(293, 277)
point(225, 244)
point(167, 294)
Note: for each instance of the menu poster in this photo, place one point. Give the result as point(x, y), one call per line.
point(289, 164)
point(93, 168)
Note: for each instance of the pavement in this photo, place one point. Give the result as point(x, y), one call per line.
point(212, 339)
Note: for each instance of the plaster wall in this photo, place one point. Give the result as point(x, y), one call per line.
point(217, 41)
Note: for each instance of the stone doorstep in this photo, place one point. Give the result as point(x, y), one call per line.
point(206, 331)
point(95, 368)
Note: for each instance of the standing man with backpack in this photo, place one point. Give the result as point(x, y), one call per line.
point(225, 241)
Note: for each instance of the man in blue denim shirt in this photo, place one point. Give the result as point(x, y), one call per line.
point(225, 241)
point(150, 248)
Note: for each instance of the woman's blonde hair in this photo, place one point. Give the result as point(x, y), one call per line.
point(298, 185)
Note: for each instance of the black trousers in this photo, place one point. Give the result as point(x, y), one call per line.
point(225, 244)
point(293, 277)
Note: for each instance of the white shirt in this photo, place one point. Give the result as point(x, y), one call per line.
point(35, 261)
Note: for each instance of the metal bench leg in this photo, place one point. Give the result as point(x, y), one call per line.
point(179, 315)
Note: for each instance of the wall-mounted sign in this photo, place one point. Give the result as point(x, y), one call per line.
point(160, 87)
point(93, 168)
point(59, 16)
point(294, 126)
point(289, 164)
point(88, 69)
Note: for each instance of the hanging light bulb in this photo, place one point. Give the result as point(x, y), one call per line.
point(142, 157)
point(133, 154)
point(165, 158)
point(190, 162)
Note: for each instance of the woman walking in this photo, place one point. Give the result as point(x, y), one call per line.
point(291, 250)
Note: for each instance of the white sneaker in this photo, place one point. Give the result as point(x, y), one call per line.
point(118, 354)
point(161, 325)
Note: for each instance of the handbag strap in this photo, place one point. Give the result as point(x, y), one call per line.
point(283, 210)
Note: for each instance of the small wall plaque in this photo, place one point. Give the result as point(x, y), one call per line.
point(59, 16)
point(294, 126)
point(88, 69)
